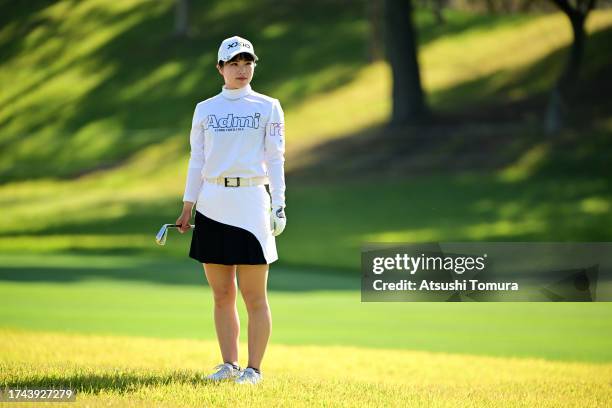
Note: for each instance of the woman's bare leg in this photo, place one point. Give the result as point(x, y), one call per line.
point(222, 280)
point(253, 281)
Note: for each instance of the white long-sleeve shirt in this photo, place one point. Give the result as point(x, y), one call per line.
point(237, 133)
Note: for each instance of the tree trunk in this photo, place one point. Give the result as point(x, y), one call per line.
point(557, 101)
point(526, 6)
point(438, 5)
point(491, 9)
point(181, 18)
point(375, 41)
point(401, 49)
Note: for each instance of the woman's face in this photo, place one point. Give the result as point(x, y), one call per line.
point(237, 73)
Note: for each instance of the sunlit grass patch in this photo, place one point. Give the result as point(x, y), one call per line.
point(141, 372)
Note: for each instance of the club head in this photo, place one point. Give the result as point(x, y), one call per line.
point(161, 236)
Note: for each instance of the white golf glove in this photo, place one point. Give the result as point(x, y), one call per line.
point(278, 221)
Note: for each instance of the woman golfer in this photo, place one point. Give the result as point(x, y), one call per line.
point(237, 147)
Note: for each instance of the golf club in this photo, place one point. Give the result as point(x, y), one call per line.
point(161, 236)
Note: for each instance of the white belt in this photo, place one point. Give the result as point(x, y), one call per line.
point(237, 181)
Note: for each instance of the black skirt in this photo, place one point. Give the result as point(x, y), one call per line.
point(218, 243)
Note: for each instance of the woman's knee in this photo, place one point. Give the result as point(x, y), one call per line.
point(253, 282)
point(254, 300)
point(224, 295)
point(222, 281)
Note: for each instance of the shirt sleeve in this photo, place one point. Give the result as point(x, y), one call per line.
point(196, 160)
point(275, 154)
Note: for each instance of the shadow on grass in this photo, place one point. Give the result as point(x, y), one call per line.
point(165, 272)
point(511, 95)
point(121, 382)
point(318, 254)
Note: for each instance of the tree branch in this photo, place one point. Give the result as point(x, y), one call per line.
point(582, 8)
point(590, 6)
point(564, 6)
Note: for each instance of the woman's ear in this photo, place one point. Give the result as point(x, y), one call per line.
point(220, 69)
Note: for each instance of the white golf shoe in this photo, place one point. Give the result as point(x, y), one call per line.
point(249, 376)
point(224, 371)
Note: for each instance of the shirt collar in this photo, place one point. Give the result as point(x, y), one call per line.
point(236, 93)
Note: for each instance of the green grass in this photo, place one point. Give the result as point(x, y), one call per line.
point(144, 372)
point(157, 297)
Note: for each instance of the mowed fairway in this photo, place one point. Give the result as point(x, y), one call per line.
point(133, 371)
point(168, 298)
point(132, 331)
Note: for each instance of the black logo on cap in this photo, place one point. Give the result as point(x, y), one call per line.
point(236, 43)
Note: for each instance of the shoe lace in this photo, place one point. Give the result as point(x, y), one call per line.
point(221, 367)
point(248, 373)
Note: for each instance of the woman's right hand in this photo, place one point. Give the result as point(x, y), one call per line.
point(183, 221)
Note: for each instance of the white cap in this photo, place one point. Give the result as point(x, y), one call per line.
point(233, 46)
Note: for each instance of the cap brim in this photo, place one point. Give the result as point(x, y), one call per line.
point(233, 54)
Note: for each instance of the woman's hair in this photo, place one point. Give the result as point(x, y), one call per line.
point(243, 56)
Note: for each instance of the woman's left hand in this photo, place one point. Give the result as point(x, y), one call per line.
point(278, 220)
